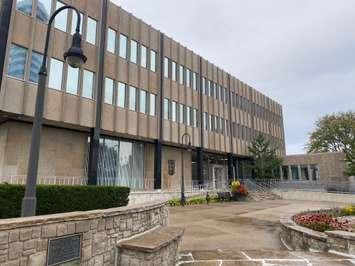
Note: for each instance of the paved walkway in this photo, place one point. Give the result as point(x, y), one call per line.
point(244, 233)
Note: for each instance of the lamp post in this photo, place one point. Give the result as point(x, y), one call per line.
point(185, 135)
point(75, 58)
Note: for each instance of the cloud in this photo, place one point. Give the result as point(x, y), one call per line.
point(300, 53)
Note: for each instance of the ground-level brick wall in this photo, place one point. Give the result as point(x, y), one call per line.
point(24, 241)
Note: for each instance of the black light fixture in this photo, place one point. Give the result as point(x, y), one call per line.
point(75, 56)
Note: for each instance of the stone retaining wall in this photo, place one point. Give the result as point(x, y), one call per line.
point(153, 196)
point(301, 238)
point(315, 196)
point(24, 241)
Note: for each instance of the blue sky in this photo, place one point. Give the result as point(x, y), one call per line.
point(300, 53)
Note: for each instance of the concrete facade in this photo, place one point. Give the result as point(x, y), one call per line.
point(328, 166)
point(221, 113)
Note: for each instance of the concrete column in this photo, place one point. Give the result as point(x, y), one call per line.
point(309, 172)
point(299, 172)
point(289, 172)
point(281, 173)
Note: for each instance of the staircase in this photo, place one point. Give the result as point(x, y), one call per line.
point(258, 192)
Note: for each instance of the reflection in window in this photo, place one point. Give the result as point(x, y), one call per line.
point(91, 31)
point(173, 70)
point(181, 74)
point(134, 51)
point(132, 98)
point(142, 102)
point(194, 81)
point(88, 83)
point(166, 108)
point(74, 22)
point(181, 113)
point(143, 56)
point(108, 90)
point(55, 74)
point(123, 46)
point(121, 163)
point(173, 111)
point(60, 21)
point(111, 40)
point(188, 114)
point(121, 94)
point(166, 67)
point(43, 10)
point(36, 61)
point(194, 117)
point(152, 99)
point(72, 80)
point(24, 6)
point(153, 56)
point(188, 77)
point(17, 61)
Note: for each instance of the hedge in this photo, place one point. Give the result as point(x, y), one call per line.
point(58, 199)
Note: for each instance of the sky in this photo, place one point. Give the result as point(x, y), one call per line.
point(300, 53)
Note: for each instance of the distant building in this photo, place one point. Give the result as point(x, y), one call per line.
point(328, 166)
point(154, 90)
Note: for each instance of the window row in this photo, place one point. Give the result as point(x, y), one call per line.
point(242, 132)
point(215, 124)
point(130, 49)
point(181, 113)
point(180, 73)
point(42, 9)
point(125, 96)
point(77, 81)
point(214, 90)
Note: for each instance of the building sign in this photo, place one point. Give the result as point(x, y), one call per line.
point(64, 249)
point(171, 164)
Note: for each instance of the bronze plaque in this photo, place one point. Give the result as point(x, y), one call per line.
point(64, 249)
point(171, 164)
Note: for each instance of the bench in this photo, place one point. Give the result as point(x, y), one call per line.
point(157, 247)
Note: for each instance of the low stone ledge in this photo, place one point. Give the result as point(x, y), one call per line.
point(299, 237)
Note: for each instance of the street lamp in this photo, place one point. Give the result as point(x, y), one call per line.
point(75, 58)
point(185, 135)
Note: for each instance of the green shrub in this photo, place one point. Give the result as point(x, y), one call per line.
point(194, 200)
point(57, 199)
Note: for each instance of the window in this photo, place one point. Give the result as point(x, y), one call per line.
point(143, 56)
point(43, 10)
point(226, 95)
point(17, 61)
point(216, 123)
point(181, 113)
point(216, 91)
point(153, 56)
point(74, 21)
point(209, 88)
point(188, 77)
point(60, 21)
point(210, 122)
point(152, 99)
point(173, 111)
point(36, 61)
point(123, 46)
point(108, 90)
point(72, 80)
point(134, 51)
point(205, 120)
point(142, 102)
point(132, 98)
point(194, 117)
point(91, 31)
point(24, 6)
point(194, 81)
point(188, 115)
point(121, 94)
point(221, 91)
point(166, 67)
point(181, 74)
point(173, 70)
point(111, 40)
point(227, 127)
point(88, 82)
point(166, 108)
point(55, 74)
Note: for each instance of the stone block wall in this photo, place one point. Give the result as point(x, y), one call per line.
point(24, 241)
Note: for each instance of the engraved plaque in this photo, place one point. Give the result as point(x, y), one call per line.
point(171, 164)
point(64, 249)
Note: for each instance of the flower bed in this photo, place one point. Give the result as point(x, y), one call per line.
point(326, 220)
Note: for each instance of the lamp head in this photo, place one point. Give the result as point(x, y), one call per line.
point(75, 55)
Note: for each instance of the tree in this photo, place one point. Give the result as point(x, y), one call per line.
point(265, 160)
point(335, 133)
